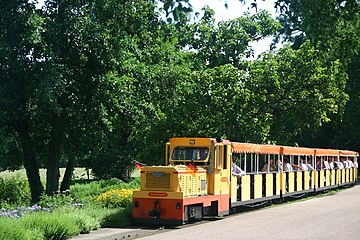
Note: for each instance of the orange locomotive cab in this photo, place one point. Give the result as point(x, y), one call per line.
point(159, 198)
point(195, 183)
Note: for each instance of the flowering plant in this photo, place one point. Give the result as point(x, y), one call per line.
point(17, 213)
point(116, 198)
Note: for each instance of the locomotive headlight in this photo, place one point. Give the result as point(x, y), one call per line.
point(136, 204)
point(178, 205)
point(192, 141)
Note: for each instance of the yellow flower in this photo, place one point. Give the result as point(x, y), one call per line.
point(116, 198)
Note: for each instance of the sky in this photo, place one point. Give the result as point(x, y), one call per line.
point(235, 8)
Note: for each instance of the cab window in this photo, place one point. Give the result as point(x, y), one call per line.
point(190, 153)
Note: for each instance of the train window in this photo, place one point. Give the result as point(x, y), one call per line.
point(225, 158)
point(190, 153)
point(251, 162)
point(220, 155)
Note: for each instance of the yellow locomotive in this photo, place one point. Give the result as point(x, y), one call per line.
point(197, 178)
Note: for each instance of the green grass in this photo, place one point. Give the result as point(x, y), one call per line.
point(62, 216)
point(79, 173)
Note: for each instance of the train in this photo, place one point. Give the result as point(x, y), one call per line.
point(197, 181)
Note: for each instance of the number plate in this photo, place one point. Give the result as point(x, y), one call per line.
point(158, 174)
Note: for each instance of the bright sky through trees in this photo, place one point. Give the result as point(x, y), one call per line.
point(236, 9)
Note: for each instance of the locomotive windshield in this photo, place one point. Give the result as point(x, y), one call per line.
point(190, 153)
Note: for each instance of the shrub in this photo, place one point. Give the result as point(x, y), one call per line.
point(85, 218)
point(11, 229)
point(51, 225)
point(112, 163)
point(117, 217)
point(20, 211)
point(89, 192)
point(66, 218)
point(14, 190)
point(55, 200)
point(116, 198)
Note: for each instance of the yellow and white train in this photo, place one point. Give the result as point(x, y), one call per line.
point(197, 178)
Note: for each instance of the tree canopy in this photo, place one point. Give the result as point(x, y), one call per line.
point(100, 83)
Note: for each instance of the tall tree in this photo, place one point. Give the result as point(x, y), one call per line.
point(20, 78)
point(332, 27)
point(299, 91)
point(228, 42)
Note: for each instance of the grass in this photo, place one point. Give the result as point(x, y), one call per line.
point(79, 173)
point(64, 215)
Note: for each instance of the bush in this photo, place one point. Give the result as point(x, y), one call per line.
point(84, 218)
point(66, 217)
point(85, 193)
point(116, 198)
point(117, 218)
point(14, 190)
point(11, 229)
point(112, 163)
point(51, 225)
point(56, 200)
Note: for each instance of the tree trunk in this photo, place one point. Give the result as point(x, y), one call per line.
point(65, 184)
point(30, 163)
point(53, 172)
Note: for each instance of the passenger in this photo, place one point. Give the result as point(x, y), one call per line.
point(350, 163)
point(345, 163)
point(303, 165)
point(340, 164)
point(309, 165)
point(326, 165)
point(236, 170)
point(296, 167)
point(270, 168)
point(278, 166)
point(331, 163)
point(318, 163)
point(287, 166)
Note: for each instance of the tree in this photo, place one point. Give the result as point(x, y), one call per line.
point(229, 42)
point(20, 77)
point(299, 91)
point(333, 28)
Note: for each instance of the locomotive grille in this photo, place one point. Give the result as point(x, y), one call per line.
point(154, 181)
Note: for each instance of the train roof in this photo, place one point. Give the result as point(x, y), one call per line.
point(288, 150)
point(239, 147)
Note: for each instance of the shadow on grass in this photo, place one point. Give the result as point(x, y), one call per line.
point(120, 218)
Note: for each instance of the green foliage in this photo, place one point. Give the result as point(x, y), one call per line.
point(66, 217)
point(229, 42)
point(55, 200)
point(105, 82)
point(85, 218)
point(116, 198)
point(118, 159)
point(87, 193)
point(53, 226)
point(14, 190)
point(117, 218)
point(297, 83)
point(11, 229)
point(332, 27)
